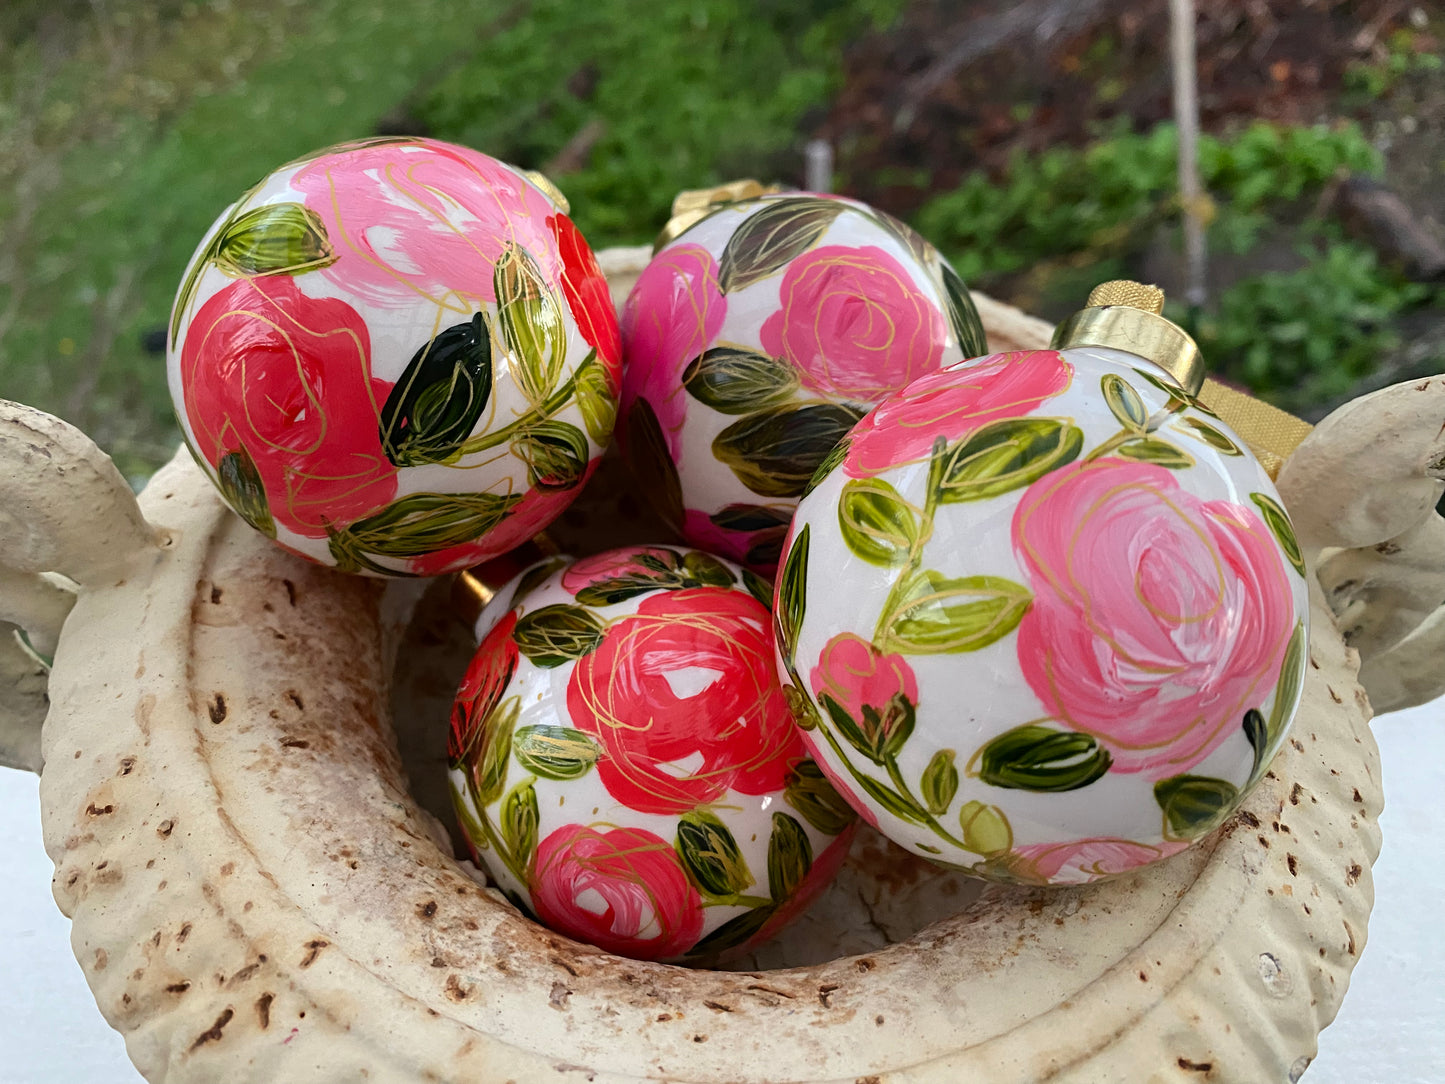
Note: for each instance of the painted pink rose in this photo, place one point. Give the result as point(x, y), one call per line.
point(623, 890)
point(877, 692)
point(854, 323)
point(1158, 618)
point(529, 516)
point(615, 565)
point(672, 315)
point(427, 219)
point(757, 549)
point(953, 403)
point(1082, 861)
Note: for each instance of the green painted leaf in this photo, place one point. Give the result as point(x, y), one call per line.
point(895, 803)
point(555, 752)
point(804, 714)
point(940, 782)
point(1178, 397)
point(962, 315)
point(415, 525)
point(752, 517)
point(766, 548)
point(736, 381)
point(733, 933)
point(1277, 520)
point(830, 463)
point(790, 856)
point(877, 524)
point(277, 239)
point(241, 486)
point(558, 633)
point(776, 452)
point(937, 615)
point(555, 453)
point(596, 398)
point(1256, 731)
point(1156, 451)
point(809, 792)
point(758, 587)
point(1265, 736)
point(880, 734)
point(704, 570)
point(711, 856)
point(496, 749)
point(770, 239)
point(652, 464)
point(1124, 402)
point(1215, 438)
point(1040, 758)
point(530, 316)
point(985, 829)
point(1007, 455)
point(433, 408)
point(519, 823)
point(792, 594)
point(1194, 805)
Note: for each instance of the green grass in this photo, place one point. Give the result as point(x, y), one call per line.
point(163, 114)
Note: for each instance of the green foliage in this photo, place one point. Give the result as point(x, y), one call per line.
point(683, 93)
point(1369, 81)
point(1314, 331)
point(1107, 195)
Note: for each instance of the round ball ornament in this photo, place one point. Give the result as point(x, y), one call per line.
point(625, 767)
point(760, 333)
point(396, 356)
point(1043, 617)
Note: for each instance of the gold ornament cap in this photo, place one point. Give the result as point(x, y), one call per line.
point(691, 206)
point(1125, 315)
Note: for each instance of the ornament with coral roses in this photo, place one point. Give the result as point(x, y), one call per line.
point(623, 761)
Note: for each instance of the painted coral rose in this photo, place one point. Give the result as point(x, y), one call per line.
point(673, 314)
point(1081, 861)
point(685, 702)
point(1158, 618)
point(422, 218)
point(623, 890)
point(286, 379)
point(877, 692)
point(586, 292)
point(640, 562)
point(481, 690)
point(854, 323)
point(952, 404)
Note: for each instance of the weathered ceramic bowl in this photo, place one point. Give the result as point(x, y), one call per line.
point(1074, 628)
point(623, 763)
point(757, 337)
point(241, 835)
point(396, 357)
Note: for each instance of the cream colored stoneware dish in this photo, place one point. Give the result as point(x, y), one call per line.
point(237, 783)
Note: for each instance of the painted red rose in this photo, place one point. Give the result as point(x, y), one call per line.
point(287, 378)
point(685, 701)
point(481, 690)
point(587, 296)
point(623, 890)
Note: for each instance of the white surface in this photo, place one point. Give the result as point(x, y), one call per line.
point(52, 1033)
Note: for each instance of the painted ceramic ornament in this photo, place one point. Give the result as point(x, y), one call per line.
point(1042, 615)
point(396, 356)
point(624, 765)
point(757, 337)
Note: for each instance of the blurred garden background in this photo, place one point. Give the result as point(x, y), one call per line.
point(1033, 142)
